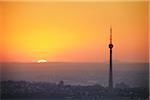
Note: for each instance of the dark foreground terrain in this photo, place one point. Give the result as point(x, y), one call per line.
point(23, 90)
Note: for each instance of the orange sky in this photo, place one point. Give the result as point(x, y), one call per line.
point(73, 31)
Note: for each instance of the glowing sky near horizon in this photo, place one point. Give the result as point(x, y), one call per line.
point(73, 31)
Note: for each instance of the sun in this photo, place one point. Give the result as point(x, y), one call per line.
point(41, 61)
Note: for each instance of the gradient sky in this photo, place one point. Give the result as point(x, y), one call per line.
point(73, 31)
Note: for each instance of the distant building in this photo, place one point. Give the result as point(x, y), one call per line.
point(61, 83)
point(122, 85)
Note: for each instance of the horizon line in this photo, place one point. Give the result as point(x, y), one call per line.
point(114, 61)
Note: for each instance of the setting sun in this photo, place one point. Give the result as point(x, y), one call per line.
point(42, 61)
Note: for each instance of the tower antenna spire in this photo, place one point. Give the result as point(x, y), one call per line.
point(110, 35)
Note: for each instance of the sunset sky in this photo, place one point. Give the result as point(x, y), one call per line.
point(73, 31)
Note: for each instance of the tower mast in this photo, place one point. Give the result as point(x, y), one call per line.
point(110, 63)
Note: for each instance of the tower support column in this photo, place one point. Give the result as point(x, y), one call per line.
point(110, 71)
